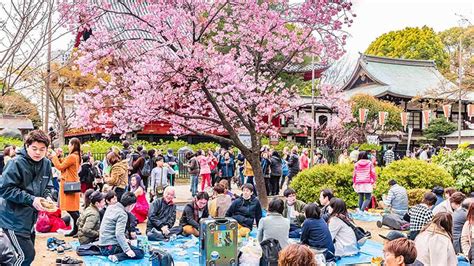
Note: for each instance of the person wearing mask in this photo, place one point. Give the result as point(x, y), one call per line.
point(434, 243)
point(293, 164)
point(324, 199)
point(172, 161)
point(396, 201)
point(226, 166)
point(342, 234)
point(344, 157)
point(275, 173)
point(221, 202)
point(159, 178)
point(459, 218)
point(26, 181)
point(364, 180)
point(112, 238)
point(69, 168)
point(245, 210)
point(467, 235)
point(193, 213)
point(445, 205)
point(89, 221)
point(389, 156)
point(274, 225)
point(161, 217)
point(140, 211)
point(293, 211)
point(315, 232)
point(86, 176)
point(297, 255)
point(118, 176)
point(193, 169)
point(399, 252)
point(421, 214)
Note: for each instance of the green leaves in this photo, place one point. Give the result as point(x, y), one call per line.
point(439, 127)
point(375, 106)
point(460, 164)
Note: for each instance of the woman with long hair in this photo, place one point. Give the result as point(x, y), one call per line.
point(141, 207)
point(69, 168)
point(345, 241)
point(118, 176)
point(434, 244)
point(364, 179)
point(467, 235)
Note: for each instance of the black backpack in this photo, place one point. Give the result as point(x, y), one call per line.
point(270, 250)
point(160, 257)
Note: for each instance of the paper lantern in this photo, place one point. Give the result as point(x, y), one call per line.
point(383, 116)
point(404, 116)
point(363, 115)
point(426, 117)
point(447, 111)
point(470, 110)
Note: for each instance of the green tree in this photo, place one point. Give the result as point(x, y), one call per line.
point(16, 104)
point(375, 106)
point(439, 127)
point(411, 43)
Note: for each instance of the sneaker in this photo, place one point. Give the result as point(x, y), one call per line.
point(60, 250)
point(51, 244)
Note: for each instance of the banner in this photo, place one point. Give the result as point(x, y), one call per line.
point(282, 120)
point(470, 110)
point(404, 116)
point(410, 132)
point(383, 116)
point(426, 116)
point(447, 111)
point(363, 115)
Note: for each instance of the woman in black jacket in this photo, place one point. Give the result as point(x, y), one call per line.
point(275, 173)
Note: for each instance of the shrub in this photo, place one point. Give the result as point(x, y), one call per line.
point(4, 141)
point(413, 174)
point(460, 164)
point(337, 177)
point(415, 196)
point(365, 147)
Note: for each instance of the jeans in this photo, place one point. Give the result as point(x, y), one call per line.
point(295, 231)
point(24, 245)
point(118, 252)
point(194, 184)
point(364, 203)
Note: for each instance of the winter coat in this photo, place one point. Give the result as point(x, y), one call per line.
point(193, 166)
point(219, 206)
point(89, 225)
point(227, 167)
point(69, 168)
point(188, 216)
point(248, 171)
point(293, 164)
point(118, 175)
point(7, 252)
point(434, 247)
point(364, 176)
point(265, 163)
point(275, 166)
point(467, 239)
point(22, 180)
point(245, 211)
point(160, 214)
point(315, 233)
point(204, 164)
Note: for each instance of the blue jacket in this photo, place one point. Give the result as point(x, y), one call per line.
point(315, 233)
point(227, 169)
point(245, 211)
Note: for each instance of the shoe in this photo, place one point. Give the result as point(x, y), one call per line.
point(59, 241)
point(51, 244)
point(379, 224)
point(69, 260)
point(60, 250)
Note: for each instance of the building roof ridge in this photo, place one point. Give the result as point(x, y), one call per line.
point(397, 61)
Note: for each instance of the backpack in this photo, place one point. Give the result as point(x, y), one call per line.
point(360, 233)
point(95, 172)
point(270, 249)
point(160, 257)
point(146, 170)
point(284, 168)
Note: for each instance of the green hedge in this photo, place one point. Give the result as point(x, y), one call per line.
point(4, 141)
point(460, 164)
point(337, 177)
point(413, 174)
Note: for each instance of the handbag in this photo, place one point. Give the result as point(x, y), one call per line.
point(72, 187)
point(360, 233)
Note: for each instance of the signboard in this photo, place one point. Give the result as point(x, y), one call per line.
point(373, 139)
point(244, 137)
point(273, 140)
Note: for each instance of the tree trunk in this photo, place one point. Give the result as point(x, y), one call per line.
point(254, 159)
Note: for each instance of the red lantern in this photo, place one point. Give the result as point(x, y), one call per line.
point(404, 118)
point(363, 115)
point(470, 110)
point(426, 117)
point(383, 116)
point(447, 111)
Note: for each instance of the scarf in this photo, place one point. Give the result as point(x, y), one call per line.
point(196, 210)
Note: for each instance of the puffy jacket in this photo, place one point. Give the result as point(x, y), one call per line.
point(118, 175)
point(265, 163)
point(364, 173)
point(275, 166)
point(226, 168)
point(160, 214)
point(89, 225)
point(23, 179)
point(188, 216)
point(245, 211)
point(293, 164)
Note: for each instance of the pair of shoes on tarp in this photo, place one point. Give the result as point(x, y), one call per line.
point(58, 245)
point(68, 261)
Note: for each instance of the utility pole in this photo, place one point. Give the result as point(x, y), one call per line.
point(311, 155)
point(48, 70)
point(460, 90)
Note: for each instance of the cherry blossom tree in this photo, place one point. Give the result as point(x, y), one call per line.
point(211, 68)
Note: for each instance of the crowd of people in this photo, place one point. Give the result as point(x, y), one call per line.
point(137, 186)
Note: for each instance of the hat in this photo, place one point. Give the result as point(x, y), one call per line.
point(392, 235)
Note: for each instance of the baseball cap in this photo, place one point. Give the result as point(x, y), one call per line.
point(392, 235)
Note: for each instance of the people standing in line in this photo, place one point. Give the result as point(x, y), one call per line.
point(26, 181)
point(344, 157)
point(354, 155)
point(342, 234)
point(467, 235)
point(159, 178)
point(364, 180)
point(396, 201)
point(324, 199)
point(274, 225)
point(315, 232)
point(193, 213)
point(226, 166)
point(69, 168)
point(434, 242)
point(421, 214)
point(172, 161)
point(205, 171)
point(141, 207)
point(293, 164)
point(193, 170)
point(304, 160)
point(89, 220)
point(221, 202)
point(245, 209)
point(275, 173)
point(118, 176)
point(389, 156)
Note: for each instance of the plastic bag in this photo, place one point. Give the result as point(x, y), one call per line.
point(250, 253)
point(43, 224)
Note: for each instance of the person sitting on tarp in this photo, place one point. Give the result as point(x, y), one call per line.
point(193, 212)
point(245, 210)
point(396, 200)
point(89, 221)
point(294, 211)
point(112, 239)
point(161, 217)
